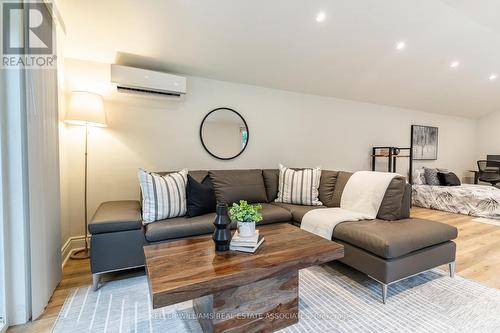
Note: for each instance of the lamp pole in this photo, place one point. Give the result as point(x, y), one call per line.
point(86, 109)
point(84, 253)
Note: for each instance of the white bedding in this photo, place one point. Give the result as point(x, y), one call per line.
point(474, 200)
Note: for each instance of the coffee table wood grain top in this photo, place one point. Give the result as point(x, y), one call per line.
point(188, 269)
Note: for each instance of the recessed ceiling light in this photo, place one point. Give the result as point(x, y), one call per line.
point(493, 77)
point(400, 46)
point(320, 17)
point(454, 64)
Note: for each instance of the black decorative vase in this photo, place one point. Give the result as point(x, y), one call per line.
point(222, 233)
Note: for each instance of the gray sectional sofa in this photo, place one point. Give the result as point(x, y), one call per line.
point(389, 248)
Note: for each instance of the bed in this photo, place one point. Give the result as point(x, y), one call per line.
point(474, 200)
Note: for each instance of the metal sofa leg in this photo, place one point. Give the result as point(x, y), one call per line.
point(451, 267)
point(95, 281)
point(384, 292)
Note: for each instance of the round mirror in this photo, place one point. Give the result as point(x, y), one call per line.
point(224, 133)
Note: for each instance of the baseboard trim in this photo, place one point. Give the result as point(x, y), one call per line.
point(71, 245)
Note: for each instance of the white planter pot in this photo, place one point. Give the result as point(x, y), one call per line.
point(246, 229)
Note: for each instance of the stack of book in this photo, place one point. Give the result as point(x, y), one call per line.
point(246, 244)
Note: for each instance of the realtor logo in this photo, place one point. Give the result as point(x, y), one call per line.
point(29, 24)
point(27, 35)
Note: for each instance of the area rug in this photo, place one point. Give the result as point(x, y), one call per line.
point(333, 298)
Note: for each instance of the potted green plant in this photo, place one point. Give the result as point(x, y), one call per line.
point(246, 216)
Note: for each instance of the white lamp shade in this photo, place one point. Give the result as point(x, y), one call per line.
point(86, 108)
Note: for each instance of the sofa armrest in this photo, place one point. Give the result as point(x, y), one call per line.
point(113, 216)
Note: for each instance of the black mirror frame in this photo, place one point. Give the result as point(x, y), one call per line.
point(203, 143)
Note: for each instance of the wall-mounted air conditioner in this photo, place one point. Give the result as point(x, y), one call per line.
point(142, 81)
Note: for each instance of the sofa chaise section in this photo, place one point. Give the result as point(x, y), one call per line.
point(389, 251)
point(393, 239)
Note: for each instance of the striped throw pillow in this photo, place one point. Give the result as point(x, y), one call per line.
point(163, 197)
point(299, 187)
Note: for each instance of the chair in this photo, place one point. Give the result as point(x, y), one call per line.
point(489, 171)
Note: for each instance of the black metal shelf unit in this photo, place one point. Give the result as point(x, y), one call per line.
point(392, 154)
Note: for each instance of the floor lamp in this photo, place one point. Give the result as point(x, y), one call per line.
point(86, 109)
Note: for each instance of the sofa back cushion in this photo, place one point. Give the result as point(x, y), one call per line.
point(342, 178)
point(396, 202)
point(390, 208)
point(198, 175)
point(271, 181)
point(327, 185)
point(233, 185)
point(406, 204)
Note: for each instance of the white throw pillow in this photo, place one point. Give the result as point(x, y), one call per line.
point(419, 177)
point(299, 187)
point(163, 197)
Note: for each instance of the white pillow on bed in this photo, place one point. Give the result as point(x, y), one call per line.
point(419, 177)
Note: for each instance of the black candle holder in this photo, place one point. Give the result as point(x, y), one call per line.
point(222, 233)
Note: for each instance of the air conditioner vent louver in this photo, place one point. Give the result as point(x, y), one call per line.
point(146, 91)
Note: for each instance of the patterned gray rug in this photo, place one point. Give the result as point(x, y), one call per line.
point(333, 298)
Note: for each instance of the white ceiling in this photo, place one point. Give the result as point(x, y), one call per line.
point(279, 44)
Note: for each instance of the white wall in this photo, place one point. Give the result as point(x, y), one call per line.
point(284, 127)
point(488, 135)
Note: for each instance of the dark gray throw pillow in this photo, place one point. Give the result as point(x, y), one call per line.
point(431, 177)
point(200, 197)
point(449, 179)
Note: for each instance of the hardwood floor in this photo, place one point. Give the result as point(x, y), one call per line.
point(478, 246)
point(76, 273)
point(478, 258)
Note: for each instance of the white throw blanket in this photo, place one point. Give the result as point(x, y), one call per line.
point(360, 200)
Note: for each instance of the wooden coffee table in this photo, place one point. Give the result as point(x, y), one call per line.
point(234, 291)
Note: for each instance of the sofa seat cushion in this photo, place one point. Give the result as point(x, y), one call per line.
point(297, 211)
point(180, 227)
point(392, 239)
point(274, 214)
point(113, 216)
